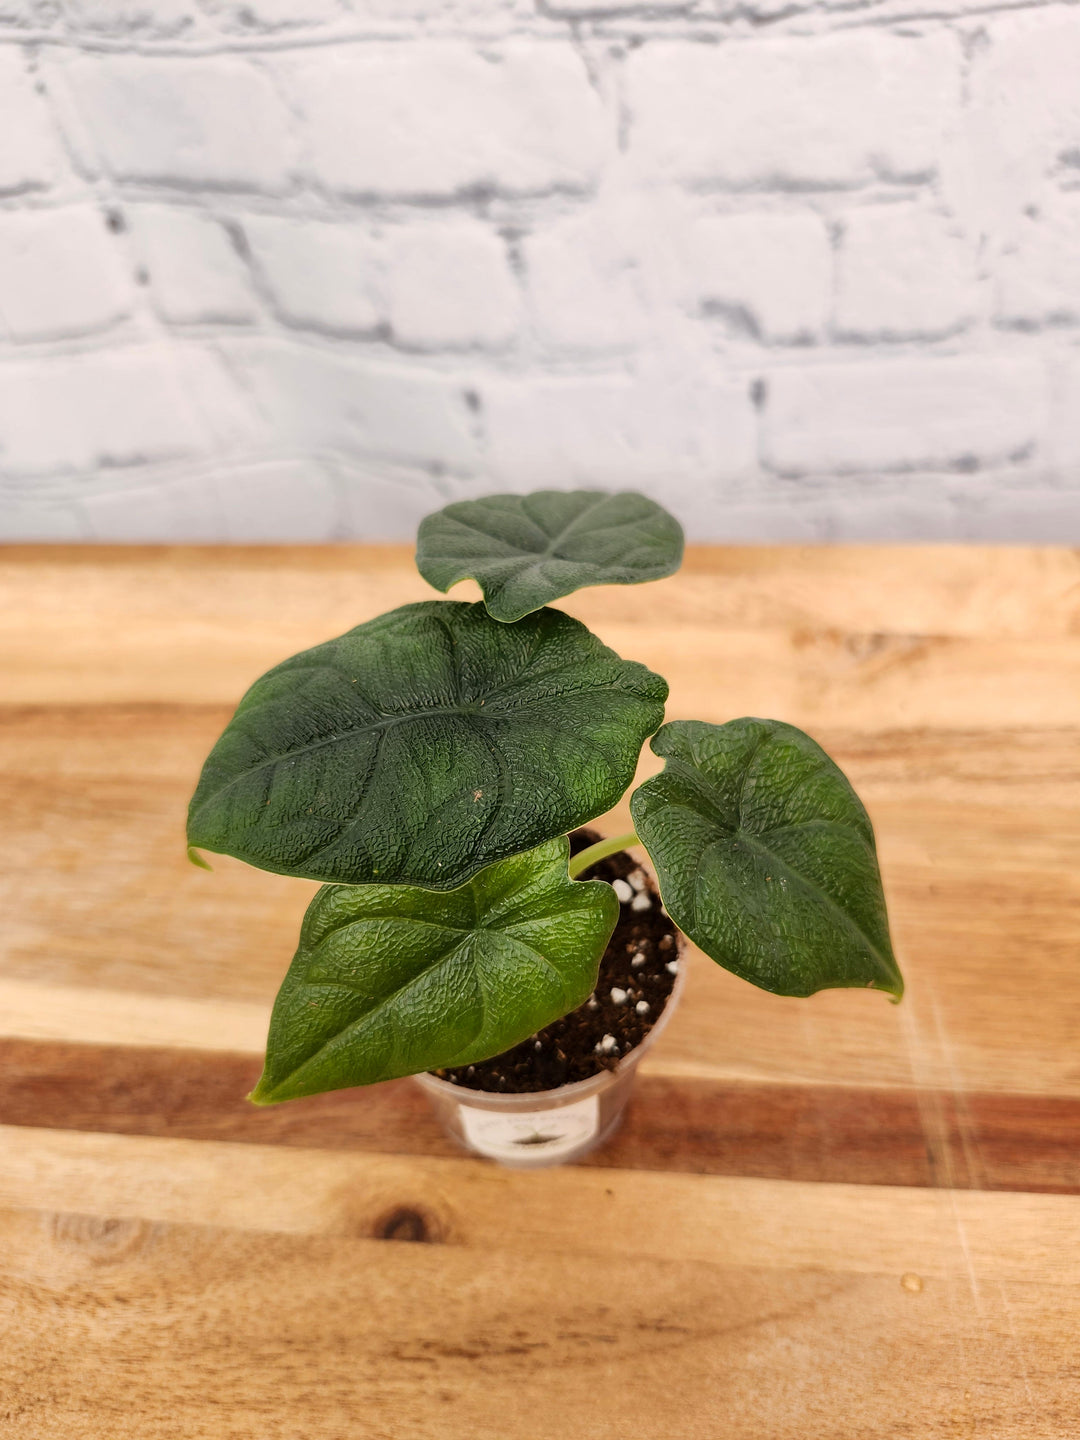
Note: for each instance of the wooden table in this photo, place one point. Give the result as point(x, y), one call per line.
point(824, 1218)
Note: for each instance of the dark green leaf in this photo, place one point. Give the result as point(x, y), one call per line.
point(526, 550)
point(766, 858)
point(391, 980)
point(424, 745)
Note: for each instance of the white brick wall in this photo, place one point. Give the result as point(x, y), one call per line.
point(306, 269)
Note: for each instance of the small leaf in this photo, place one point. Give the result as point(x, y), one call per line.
point(527, 550)
point(424, 745)
point(390, 980)
point(766, 857)
point(196, 859)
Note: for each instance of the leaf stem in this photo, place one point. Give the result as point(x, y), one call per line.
point(584, 859)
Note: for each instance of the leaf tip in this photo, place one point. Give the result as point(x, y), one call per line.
point(893, 988)
point(260, 1095)
point(198, 860)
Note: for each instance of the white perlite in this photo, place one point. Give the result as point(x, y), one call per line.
point(641, 902)
point(618, 996)
point(623, 891)
point(642, 1007)
point(346, 261)
point(607, 1046)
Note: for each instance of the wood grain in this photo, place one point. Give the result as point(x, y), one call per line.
point(242, 1290)
point(821, 1133)
point(828, 1218)
point(155, 1329)
point(858, 1229)
point(978, 833)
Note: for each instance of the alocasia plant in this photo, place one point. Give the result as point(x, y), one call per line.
point(428, 765)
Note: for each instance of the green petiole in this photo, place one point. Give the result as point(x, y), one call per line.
point(600, 851)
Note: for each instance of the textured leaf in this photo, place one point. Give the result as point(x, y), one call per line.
point(424, 745)
point(766, 858)
point(526, 550)
point(391, 980)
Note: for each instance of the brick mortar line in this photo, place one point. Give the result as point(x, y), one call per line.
point(809, 23)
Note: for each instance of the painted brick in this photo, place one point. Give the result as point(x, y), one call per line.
point(449, 284)
point(1021, 124)
point(584, 280)
point(781, 511)
point(252, 16)
point(617, 430)
point(491, 14)
point(903, 414)
point(24, 521)
point(823, 111)
point(175, 121)
point(1042, 516)
point(1063, 443)
point(88, 412)
point(381, 503)
point(319, 399)
point(26, 13)
point(185, 511)
point(30, 156)
point(772, 272)
point(194, 272)
point(587, 8)
point(904, 271)
point(622, 266)
point(320, 274)
point(227, 414)
point(436, 118)
point(1038, 275)
point(500, 14)
point(720, 519)
point(61, 274)
point(130, 18)
point(287, 501)
point(858, 516)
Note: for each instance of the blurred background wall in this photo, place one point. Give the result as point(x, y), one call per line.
point(304, 269)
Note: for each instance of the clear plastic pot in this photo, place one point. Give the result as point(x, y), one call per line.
point(543, 1127)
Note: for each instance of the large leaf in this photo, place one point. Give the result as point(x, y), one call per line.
point(424, 745)
point(766, 858)
point(390, 980)
point(526, 550)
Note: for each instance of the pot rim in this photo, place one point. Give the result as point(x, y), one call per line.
point(577, 1089)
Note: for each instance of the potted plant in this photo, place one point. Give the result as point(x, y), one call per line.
point(433, 766)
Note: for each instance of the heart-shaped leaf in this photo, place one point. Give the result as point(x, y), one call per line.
point(526, 550)
point(424, 745)
point(391, 980)
point(766, 858)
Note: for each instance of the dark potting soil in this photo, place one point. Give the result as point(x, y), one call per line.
point(633, 973)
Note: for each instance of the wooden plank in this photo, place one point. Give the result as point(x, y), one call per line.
point(42, 1011)
point(857, 1229)
point(782, 1308)
point(978, 834)
point(141, 1331)
point(811, 1224)
point(821, 636)
point(824, 1133)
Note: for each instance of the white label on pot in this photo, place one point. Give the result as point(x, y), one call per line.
point(531, 1134)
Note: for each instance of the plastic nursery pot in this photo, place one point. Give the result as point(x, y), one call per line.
point(544, 1127)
